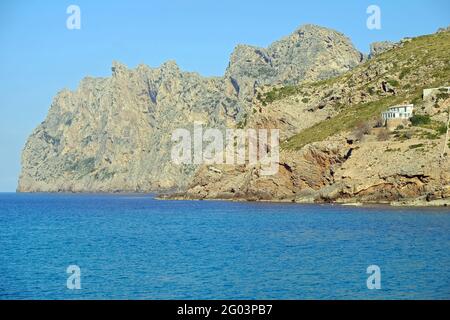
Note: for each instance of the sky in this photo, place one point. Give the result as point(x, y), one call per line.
point(39, 55)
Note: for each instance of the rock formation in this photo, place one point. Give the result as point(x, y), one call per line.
point(380, 47)
point(114, 134)
point(335, 150)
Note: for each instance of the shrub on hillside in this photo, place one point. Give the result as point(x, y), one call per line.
point(362, 128)
point(419, 119)
point(442, 129)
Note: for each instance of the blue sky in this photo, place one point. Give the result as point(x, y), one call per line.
point(39, 56)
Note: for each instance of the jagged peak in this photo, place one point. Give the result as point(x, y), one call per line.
point(312, 29)
point(244, 49)
point(241, 47)
point(309, 27)
point(320, 31)
point(313, 33)
point(170, 65)
point(118, 68)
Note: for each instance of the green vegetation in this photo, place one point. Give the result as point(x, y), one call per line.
point(83, 167)
point(428, 135)
point(278, 93)
point(348, 119)
point(403, 135)
point(442, 96)
point(430, 52)
point(423, 62)
point(403, 73)
point(424, 121)
point(243, 123)
point(420, 120)
point(442, 129)
point(393, 83)
point(287, 91)
point(407, 86)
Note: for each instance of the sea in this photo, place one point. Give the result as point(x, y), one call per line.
point(132, 246)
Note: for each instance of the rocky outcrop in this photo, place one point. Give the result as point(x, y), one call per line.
point(300, 173)
point(311, 52)
point(334, 149)
point(377, 48)
point(337, 172)
point(113, 134)
point(445, 29)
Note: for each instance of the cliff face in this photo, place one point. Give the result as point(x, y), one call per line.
point(335, 150)
point(371, 171)
point(114, 134)
point(310, 53)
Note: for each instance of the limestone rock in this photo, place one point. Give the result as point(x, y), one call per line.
point(114, 134)
point(327, 156)
point(377, 48)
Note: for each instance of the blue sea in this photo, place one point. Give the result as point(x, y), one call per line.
point(136, 247)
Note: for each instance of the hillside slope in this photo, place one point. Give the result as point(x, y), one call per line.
point(333, 150)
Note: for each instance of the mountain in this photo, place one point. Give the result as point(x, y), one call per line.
point(335, 149)
point(310, 53)
point(114, 134)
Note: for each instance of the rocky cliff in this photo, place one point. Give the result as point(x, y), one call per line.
point(335, 148)
point(114, 134)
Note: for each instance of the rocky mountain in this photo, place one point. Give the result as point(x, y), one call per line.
point(335, 149)
point(114, 134)
point(380, 47)
point(310, 53)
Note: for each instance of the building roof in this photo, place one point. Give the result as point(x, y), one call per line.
point(401, 106)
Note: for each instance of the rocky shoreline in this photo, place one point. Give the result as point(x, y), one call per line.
point(348, 157)
point(404, 203)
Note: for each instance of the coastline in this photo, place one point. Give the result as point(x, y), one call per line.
point(412, 203)
point(164, 195)
point(178, 196)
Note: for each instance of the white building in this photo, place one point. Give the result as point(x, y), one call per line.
point(429, 92)
point(398, 112)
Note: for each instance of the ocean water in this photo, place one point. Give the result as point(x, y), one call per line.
point(135, 247)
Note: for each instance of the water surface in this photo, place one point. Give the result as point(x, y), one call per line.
point(135, 247)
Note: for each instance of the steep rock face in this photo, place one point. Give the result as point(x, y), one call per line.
point(335, 171)
point(114, 134)
point(310, 53)
point(300, 174)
